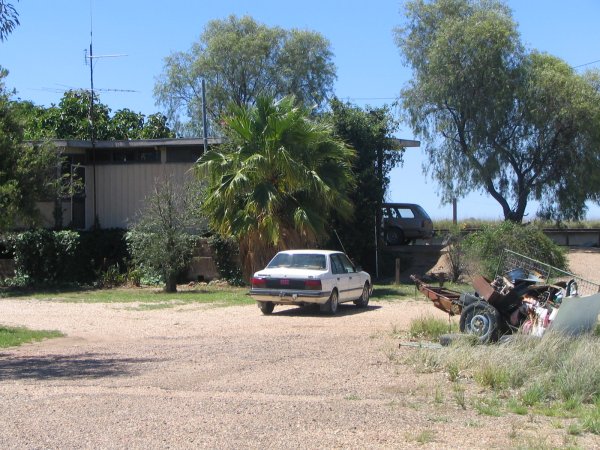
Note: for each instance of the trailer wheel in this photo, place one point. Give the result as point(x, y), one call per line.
point(481, 320)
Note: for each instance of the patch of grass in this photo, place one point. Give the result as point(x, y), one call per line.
point(431, 328)
point(218, 295)
point(459, 396)
point(555, 376)
point(13, 337)
point(516, 407)
point(392, 292)
point(490, 406)
point(423, 437)
point(493, 376)
point(438, 396)
point(533, 395)
point(352, 397)
point(590, 420)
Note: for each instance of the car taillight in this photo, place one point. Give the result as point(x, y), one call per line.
point(312, 284)
point(259, 282)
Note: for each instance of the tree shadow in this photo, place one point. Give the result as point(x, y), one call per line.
point(83, 366)
point(345, 309)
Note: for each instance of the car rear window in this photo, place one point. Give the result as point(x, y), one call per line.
point(298, 261)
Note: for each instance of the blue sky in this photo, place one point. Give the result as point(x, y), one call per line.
point(45, 56)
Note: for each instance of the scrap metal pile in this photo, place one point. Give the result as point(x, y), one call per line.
point(526, 295)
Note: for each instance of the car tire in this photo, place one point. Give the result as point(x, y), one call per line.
point(266, 307)
point(394, 236)
point(481, 320)
point(331, 306)
point(363, 300)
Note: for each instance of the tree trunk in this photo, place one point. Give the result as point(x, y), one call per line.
point(171, 284)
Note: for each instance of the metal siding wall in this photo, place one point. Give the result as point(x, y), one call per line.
point(122, 189)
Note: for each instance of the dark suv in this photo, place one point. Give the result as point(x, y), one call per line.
point(405, 222)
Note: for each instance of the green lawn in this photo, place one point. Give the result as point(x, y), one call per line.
point(12, 337)
point(154, 298)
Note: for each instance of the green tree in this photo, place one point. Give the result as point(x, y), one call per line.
point(9, 19)
point(517, 124)
point(275, 181)
point(370, 132)
point(240, 60)
point(165, 234)
point(70, 119)
point(27, 172)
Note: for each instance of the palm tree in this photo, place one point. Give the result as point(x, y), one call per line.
point(274, 183)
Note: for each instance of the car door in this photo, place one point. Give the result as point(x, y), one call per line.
point(340, 276)
point(354, 282)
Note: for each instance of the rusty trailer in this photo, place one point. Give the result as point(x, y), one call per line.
point(445, 299)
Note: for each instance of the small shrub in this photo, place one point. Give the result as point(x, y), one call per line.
point(484, 248)
point(226, 257)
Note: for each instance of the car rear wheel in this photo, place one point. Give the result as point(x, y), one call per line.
point(266, 307)
point(363, 300)
point(394, 236)
point(331, 306)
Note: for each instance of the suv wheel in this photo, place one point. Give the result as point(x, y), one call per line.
point(394, 236)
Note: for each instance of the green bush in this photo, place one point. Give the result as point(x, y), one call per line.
point(45, 256)
point(484, 248)
point(226, 256)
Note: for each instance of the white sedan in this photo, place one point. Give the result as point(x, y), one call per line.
point(300, 277)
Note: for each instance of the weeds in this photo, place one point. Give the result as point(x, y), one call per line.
point(556, 376)
point(460, 397)
point(431, 328)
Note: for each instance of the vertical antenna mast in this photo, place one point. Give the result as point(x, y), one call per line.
point(92, 130)
point(90, 58)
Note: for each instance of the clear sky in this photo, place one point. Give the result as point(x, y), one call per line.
point(45, 56)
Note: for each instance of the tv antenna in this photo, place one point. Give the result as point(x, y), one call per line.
point(90, 58)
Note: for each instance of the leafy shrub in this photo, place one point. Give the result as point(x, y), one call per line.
point(484, 248)
point(226, 256)
point(45, 256)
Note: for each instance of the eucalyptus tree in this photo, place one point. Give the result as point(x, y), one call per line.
point(496, 117)
point(9, 19)
point(241, 59)
point(276, 179)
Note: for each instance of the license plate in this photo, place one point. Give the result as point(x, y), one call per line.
point(284, 282)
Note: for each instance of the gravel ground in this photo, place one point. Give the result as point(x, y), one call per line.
point(202, 377)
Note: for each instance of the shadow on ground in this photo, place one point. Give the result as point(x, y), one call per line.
point(313, 310)
point(84, 366)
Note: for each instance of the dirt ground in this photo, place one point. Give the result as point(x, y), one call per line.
point(205, 377)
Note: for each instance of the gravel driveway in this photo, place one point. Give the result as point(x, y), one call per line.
point(199, 376)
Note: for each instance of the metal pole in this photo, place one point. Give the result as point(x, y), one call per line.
point(92, 130)
point(204, 130)
point(376, 253)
